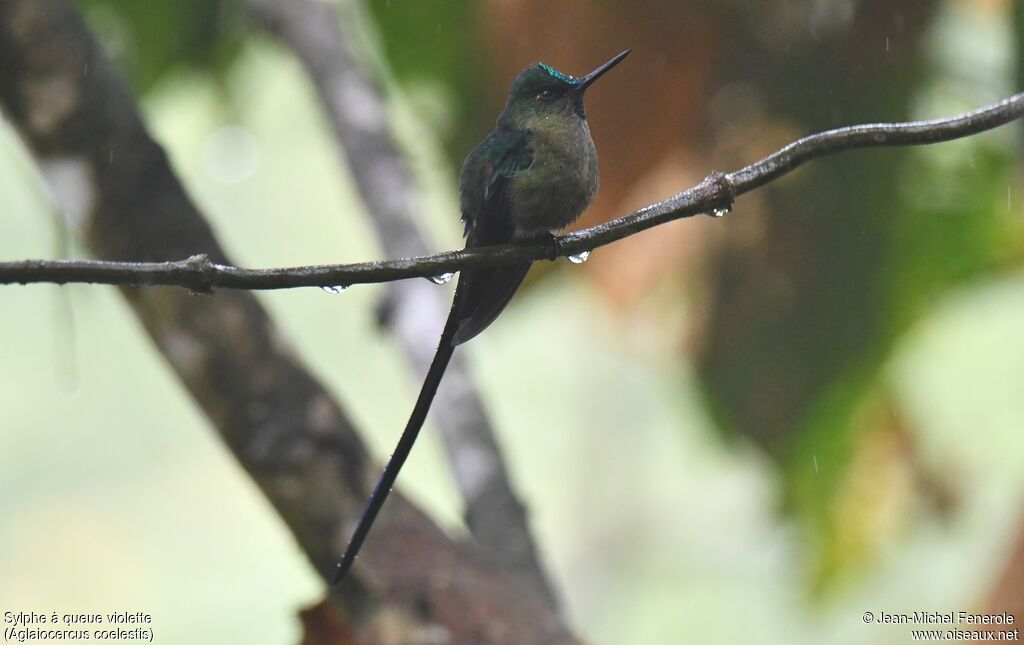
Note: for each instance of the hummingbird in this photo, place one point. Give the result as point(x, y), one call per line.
point(534, 174)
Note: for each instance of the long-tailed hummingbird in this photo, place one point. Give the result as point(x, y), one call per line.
point(533, 175)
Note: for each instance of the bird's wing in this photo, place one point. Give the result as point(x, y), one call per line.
point(485, 179)
point(487, 210)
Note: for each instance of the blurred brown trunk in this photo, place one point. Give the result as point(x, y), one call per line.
point(1008, 594)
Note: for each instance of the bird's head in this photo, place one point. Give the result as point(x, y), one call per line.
point(542, 91)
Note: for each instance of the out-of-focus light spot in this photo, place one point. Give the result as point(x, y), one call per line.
point(230, 155)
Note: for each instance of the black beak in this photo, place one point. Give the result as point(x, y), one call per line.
point(589, 79)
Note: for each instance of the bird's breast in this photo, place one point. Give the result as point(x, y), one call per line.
point(562, 181)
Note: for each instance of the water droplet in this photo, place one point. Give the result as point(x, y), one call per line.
point(335, 289)
point(814, 458)
point(719, 212)
point(444, 278)
point(580, 257)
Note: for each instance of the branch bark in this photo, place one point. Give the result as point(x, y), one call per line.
point(415, 310)
point(117, 189)
point(715, 194)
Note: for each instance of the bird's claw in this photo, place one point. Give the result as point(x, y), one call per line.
point(554, 246)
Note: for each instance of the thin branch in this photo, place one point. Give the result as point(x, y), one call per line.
point(715, 194)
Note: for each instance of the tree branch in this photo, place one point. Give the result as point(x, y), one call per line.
point(715, 194)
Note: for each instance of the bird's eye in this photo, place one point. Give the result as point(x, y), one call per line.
point(546, 94)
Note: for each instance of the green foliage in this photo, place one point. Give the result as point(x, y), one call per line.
point(153, 38)
point(437, 41)
point(857, 250)
point(950, 223)
point(959, 223)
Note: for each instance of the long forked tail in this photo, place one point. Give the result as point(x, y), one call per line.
point(445, 349)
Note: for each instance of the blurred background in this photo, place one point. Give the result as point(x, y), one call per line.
point(747, 429)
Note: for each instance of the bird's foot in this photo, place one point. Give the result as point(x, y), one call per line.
point(554, 246)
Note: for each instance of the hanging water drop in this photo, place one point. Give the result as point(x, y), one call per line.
point(719, 212)
point(444, 278)
point(579, 258)
point(335, 289)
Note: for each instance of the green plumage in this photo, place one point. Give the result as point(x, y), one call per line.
point(533, 175)
point(562, 76)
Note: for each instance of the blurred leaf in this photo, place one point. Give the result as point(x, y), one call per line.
point(849, 253)
point(437, 41)
point(153, 38)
